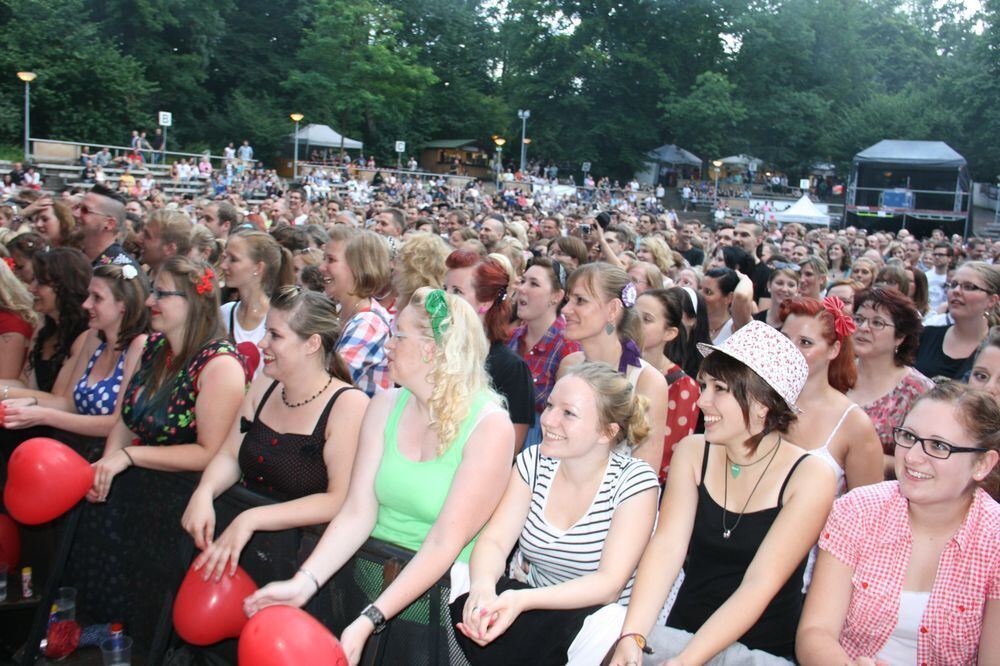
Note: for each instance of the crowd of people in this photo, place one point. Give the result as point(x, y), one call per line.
point(543, 405)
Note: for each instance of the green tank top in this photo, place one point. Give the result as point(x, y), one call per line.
point(411, 494)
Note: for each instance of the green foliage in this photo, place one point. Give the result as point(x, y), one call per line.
point(790, 81)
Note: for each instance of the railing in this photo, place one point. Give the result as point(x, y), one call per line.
point(127, 557)
point(118, 149)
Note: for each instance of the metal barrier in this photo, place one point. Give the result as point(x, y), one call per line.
point(118, 150)
point(127, 557)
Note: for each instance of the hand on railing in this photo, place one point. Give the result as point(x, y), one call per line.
point(295, 591)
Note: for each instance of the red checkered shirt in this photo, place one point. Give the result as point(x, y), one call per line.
point(544, 358)
point(869, 531)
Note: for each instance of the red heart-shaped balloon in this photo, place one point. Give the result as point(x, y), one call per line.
point(10, 543)
point(286, 636)
point(45, 479)
point(206, 611)
point(251, 356)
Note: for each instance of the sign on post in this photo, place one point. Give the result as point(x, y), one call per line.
point(166, 119)
point(586, 167)
point(400, 146)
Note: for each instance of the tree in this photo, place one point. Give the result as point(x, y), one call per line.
point(706, 120)
point(352, 71)
point(85, 90)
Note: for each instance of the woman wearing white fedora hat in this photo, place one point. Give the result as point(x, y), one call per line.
point(744, 506)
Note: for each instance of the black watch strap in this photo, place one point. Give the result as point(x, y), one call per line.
point(376, 616)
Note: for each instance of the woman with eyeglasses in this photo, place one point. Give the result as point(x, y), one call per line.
point(295, 438)
point(885, 342)
point(434, 457)
point(973, 293)
point(180, 403)
point(539, 339)
point(908, 569)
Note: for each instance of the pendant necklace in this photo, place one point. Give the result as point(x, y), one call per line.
point(727, 531)
point(735, 468)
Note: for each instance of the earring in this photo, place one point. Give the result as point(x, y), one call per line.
point(609, 329)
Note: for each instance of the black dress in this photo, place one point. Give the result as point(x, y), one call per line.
point(933, 362)
point(715, 567)
point(285, 466)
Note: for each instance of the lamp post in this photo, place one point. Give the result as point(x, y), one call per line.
point(523, 115)
point(499, 141)
point(27, 77)
point(718, 165)
point(296, 118)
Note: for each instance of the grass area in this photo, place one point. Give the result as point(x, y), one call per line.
point(10, 152)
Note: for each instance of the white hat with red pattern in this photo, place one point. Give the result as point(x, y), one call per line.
point(770, 354)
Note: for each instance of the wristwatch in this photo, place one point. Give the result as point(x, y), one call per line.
point(376, 616)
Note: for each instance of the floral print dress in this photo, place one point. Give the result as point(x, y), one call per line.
point(167, 416)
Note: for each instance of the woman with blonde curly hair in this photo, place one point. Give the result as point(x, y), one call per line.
point(420, 264)
point(433, 461)
point(655, 250)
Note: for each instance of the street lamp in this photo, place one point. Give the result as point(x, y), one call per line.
point(718, 166)
point(499, 141)
point(523, 115)
point(27, 77)
point(296, 118)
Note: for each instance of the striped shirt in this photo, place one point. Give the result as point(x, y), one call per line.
point(551, 556)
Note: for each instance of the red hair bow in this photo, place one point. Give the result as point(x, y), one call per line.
point(205, 285)
point(842, 323)
point(10, 262)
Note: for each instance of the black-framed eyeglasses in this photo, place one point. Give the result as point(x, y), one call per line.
point(159, 294)
point(966, 287)
point(875, 324)
point(935, 448)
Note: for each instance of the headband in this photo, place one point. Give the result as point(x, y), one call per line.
point(842, 324)
point(693, 296)
point(437, 309)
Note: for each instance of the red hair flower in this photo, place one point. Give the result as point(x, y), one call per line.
point(204, 286)
point(842, 323)
point(10, 262)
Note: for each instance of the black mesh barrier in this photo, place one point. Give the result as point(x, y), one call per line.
point(127, 558)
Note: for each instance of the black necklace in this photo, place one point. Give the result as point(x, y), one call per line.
point(727, 531)
point(735, 468)
point(305, 402)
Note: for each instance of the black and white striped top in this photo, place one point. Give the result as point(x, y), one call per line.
point(552, 556)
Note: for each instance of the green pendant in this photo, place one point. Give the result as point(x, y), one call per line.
point(735, 469)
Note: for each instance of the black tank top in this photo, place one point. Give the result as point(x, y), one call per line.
point(284, 465)
point(715, 567)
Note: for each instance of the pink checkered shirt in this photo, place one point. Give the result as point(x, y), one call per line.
point(869, 531)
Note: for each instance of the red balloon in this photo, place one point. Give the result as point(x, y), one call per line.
point(207, 612)
point(10, 543)
point(45, 479)
point(251, 356)
point(287, 636)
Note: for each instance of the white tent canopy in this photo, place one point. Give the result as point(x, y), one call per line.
point(803, 211)
point(742, 161)
point(324, 136)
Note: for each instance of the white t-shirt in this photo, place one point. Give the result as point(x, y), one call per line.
point(240, 334)
point(547, 555)
point(935, 288)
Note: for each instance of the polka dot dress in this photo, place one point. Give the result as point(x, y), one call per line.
point(100, 398)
